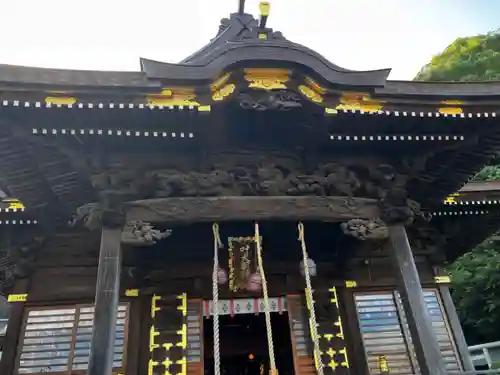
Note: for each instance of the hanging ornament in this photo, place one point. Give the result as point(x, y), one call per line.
point(311, 265)
point(254, 282)
point(221, 276)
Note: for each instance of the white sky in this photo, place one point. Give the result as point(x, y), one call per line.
point(113, 34)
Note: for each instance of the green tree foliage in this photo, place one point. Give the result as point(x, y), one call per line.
point(476, 291)
point(475, 275)
point(488, 173)
point(475, 58)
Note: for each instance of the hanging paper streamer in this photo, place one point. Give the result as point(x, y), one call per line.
point(245, 306)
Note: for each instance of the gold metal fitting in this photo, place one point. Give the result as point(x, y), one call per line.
point(264, 8)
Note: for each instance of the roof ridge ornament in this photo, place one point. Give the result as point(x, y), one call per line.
point(244, 41)
point(264, 8)
point(241, 7)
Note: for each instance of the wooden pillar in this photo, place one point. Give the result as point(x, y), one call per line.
point(11, 340)
point(423, 336)
point(456, 328)
point(106, 301)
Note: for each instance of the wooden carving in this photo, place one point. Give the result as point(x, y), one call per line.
point(247, 174)
point(390, 188)
point(18, 263)
point(263, 179)
point(281, 100)
point(366, 229)
point(142, 234)
point(210, 209)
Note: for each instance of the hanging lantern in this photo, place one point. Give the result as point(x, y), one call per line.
point(311, 265)
point(254, 282)
point(221, 276)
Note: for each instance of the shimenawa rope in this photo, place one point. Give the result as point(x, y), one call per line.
point(215, 298)
point(309, 295)
point(267, 311)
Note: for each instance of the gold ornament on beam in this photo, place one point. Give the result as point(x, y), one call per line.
point(310, 94)
point(315, 85)
point(60, 100)
point(451, 199)
point(179, 96)
point(267, 79)
point(223, 92)
point(220, 82)
point(359, 102)
point(452, 107)
point(221, 88)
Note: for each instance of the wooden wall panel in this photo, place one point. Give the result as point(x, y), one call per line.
point(332, 340)
point(301, 338)
point(168, 335)
point(195, 355)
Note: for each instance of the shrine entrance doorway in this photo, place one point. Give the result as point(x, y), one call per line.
point(244, 346)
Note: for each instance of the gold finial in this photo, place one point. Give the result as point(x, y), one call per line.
point(264, 9)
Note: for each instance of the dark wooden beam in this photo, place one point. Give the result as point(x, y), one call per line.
point(251, 208)
point(456, 328)
point(16, 314)
point(106, 302)
point(424, 338)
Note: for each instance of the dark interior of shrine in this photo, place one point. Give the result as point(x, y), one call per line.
point(244, 346)
point(194, 242)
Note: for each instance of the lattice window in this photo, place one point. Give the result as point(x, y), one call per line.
point(385, 331)
point(57, 340)
point(382, 332)
point(442, 329)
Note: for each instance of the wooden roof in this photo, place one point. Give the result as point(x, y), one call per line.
point(467, 217)
point(453, 126)
point(242, 45)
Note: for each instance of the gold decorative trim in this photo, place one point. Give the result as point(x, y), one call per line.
point(453, 108)
point(178, 96)
point(310, 94)
point(60, 100)
point(13, 204)
point(17, 298)
point(267, 79)
point(132, 293)
point(351, 284)
point(220, 82)
point(223, 92)
point(359, 102)
point(315, 85)
point(451, 199)
point(442, 279)
point(204, 108)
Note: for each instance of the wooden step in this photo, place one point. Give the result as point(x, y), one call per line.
point(306, 366)
point(195, 368)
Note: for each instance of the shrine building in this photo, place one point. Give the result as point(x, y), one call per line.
point(252, 209)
